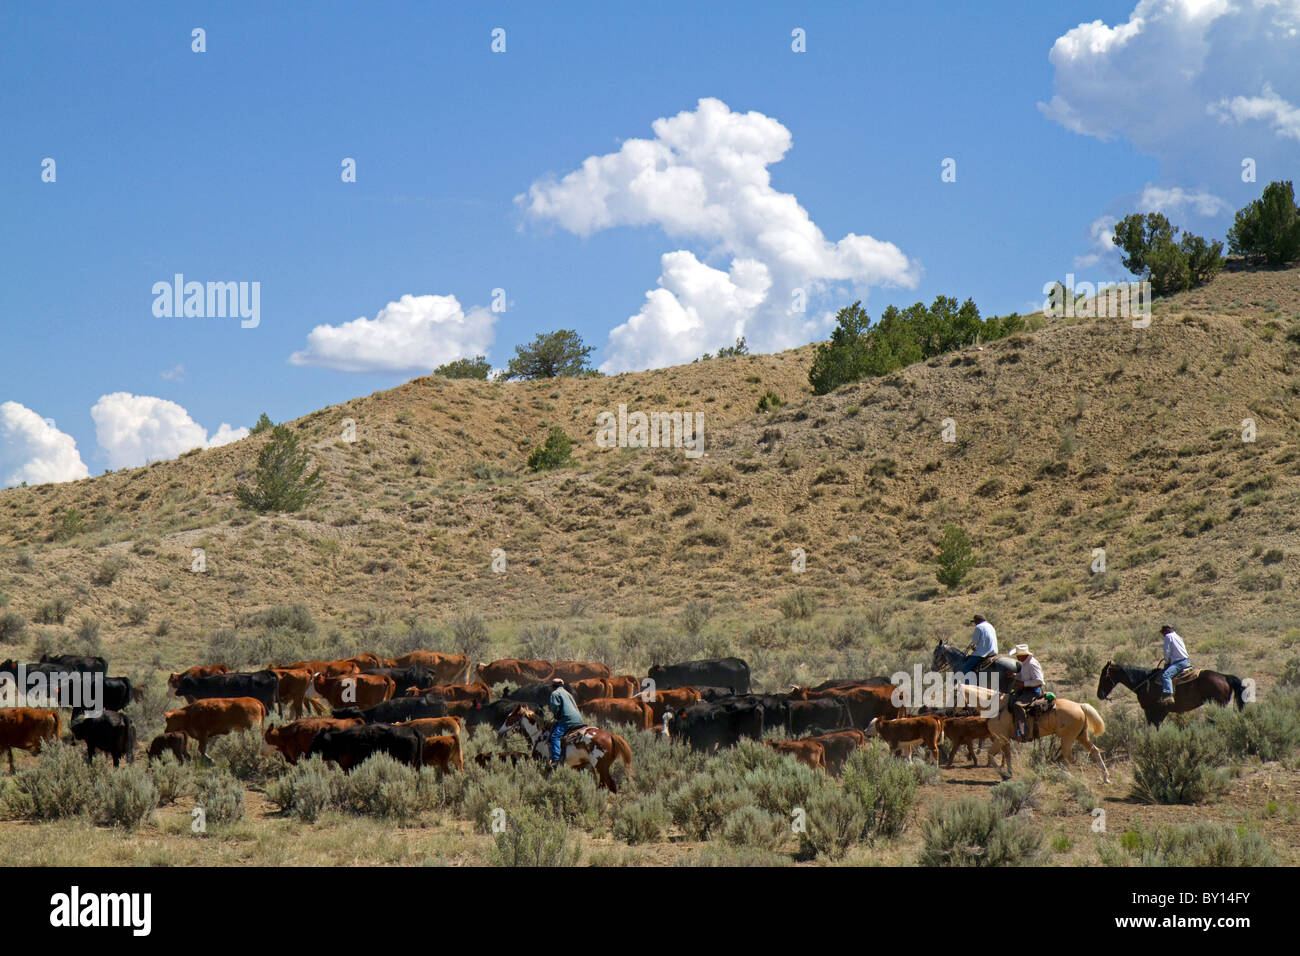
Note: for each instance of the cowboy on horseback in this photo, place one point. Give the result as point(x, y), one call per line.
point(567, 717)
point(1027, 689)
point(1174, 662)
point(984, 644)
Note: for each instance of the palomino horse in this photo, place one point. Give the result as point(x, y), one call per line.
point(1068, 720)
point(589, 747)
point(949, 655)
point(1206, 685)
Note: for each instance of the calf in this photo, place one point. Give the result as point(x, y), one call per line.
point(328, 668)
point(293, 740)
point(839, 746)
point(295, 685)
point(436, 726)
point(214, 717)
point(675, 700)
point(478, 692)
point(352, 746)
point(178, 745)
point(905, 733)
point(967, 730)
point(110, 732)
point(808, 752)
point(446, 668)
point(444, 753)
point(26, 727)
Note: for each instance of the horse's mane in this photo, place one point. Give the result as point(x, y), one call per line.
point(1134, 674)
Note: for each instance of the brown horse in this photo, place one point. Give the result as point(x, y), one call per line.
point(581, 747)
point(1188, 695)
point(1067, 720)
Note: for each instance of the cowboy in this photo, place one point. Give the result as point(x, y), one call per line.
point(1028, 688)
point(984, 644)
point(567, 716)
point(1174, 662)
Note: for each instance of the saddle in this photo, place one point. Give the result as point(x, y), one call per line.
point(1188, 675)
point(579, 736)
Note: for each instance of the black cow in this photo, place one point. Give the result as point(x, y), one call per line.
point(404, 677)
point(260, 685)
point(535, 695)
point(110, 732)
point(76, 662)
point(397, 710)
point(708, 726)
point(776, 708)
point(116, 695)
point(804, 715)
point(728, 672)
point(713, 693)
point(350, 747)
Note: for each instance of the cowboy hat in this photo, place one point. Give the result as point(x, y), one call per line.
point(978, 619)
point(1021, 650)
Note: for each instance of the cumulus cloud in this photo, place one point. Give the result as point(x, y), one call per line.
point(1268, 108)
point(33, 450)
point(415, 334)
point(133, 430)
point(704, 178)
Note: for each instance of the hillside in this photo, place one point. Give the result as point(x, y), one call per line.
point(1086, 434)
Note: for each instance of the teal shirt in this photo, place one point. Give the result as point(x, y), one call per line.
point(565, 708)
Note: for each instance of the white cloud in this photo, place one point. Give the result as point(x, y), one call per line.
point(415, 334)
point(1268, 107)
point(704, 177)
point(133, 430)
point(33, 450)
point(176, 374)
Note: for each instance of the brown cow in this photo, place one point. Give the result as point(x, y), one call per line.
point(294, 740)
point(906, 733)
point(808, 752)
point(839, 746)
point(435, 726)
point(444, 753)
point(675, 700)
point(589, 689)
point(26, 727)
point(509, 670)
point(328, 668)
point(459, 708)
point(295, 683)
point(864, 702)
point(477, 693)
point(178, 745)
point(625, 685)
point(214, 717)
point(570, 671)
point(367, 660)
point(446, 668)
point(204, 671)
point(353, 690)
point(619, 710)
point(967, 730)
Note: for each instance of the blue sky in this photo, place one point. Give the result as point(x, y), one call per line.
point(225, 166)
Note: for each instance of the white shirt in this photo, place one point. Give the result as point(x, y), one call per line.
point(985, 639)
point(1174, 649)
point(1031, 672)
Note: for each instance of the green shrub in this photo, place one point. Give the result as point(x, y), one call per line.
point(835, 821)
point(566, 794)
point(242, 755)
point(798, 605)
point(701, 804)
point(108, 571)
point(955, 556)
point(68, 525)
point(477, 367)
point(530, 839)
point(551, 355)
point(752, 827)
point(306, 789)
point(381, 786)
point(127, 796)
point(281, 481)
point(885, 787)
point(173, 780)
point(54, 612)
point(1269, 227)
point(769, 402)
point(221, 798)
point(555, 452)
point(1013, 796)
point(1179, 765)
point(1269, 729)
point(60, 784)
point(11, 628)
point(642, 820)
point(1201, 844)
point(974, 832)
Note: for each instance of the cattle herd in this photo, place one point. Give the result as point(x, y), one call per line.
point(417, 708)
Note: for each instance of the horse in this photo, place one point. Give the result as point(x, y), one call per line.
point(949, 655)
point(1188, 695)
point(1068, 721)
point(588, 747)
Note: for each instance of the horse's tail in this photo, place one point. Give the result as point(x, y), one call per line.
point(1238, 689)
point(1096, 726)
point(623, 752)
